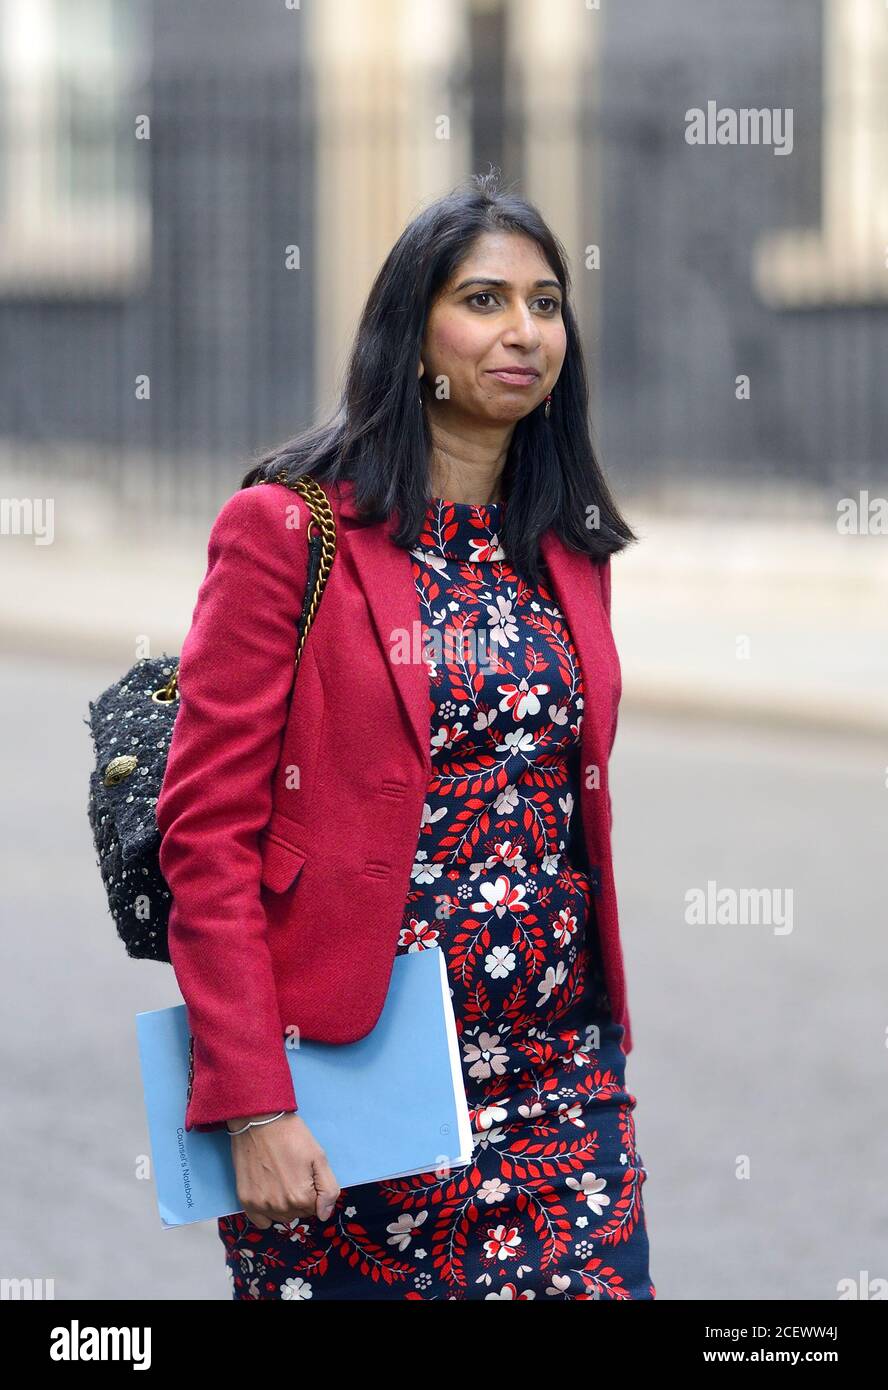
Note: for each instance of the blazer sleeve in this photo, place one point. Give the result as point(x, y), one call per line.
point(236, 670)
point(628, 1041)
point(604, 571)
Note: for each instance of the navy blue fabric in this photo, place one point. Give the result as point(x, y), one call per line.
point(551, 1205)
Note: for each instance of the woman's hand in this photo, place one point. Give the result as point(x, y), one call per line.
point(281, 1170)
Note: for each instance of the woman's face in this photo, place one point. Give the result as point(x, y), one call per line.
point(477, 330)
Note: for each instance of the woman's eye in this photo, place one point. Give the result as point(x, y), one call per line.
point(547, 299)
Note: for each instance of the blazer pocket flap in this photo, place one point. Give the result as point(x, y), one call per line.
point(280, 862)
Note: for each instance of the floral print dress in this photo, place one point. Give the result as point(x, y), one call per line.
point(550, 1207)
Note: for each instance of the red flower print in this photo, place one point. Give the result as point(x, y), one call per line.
point(564, 926)
point(418, 936)
point(501, 897)
point(504, 1242)
point(521, 699)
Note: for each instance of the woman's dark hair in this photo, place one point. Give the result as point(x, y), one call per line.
point(381, 440)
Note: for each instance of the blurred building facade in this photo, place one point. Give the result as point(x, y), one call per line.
point(194, 201)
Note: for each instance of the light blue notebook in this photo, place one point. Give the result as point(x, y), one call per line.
point(390, 1105)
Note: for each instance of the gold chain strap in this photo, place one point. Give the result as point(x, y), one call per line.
point(318, 504)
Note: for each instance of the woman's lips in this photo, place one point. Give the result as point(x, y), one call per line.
point(516, 378)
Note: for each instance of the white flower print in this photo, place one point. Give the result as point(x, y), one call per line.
point(425, 873)
point(483, 719)
point(475, 870)
point(566, 803)
point(518, 741)
point(435, 562)
point(447, 736)
point(532, 1112)
point(572, 1113)
point(490, 1115)
point(404, 1229)
point(551, 979)
point(507, 801)
point(246, 1258)
point(488, 550)
point(507, 854)
point(592, 1189)
point(418, 936)
point(429, 816)
point(564, 926)
point(521, 699)
point(501, 897)
point(504, 1242)
point(558, 714)
point(501, 621)
point(297, 1229)
point(486, 1055)
point(485, 1139)
point(500, 962)
point(493, 1190)
point(295, 1290)
point(509, 1293)
point(580, 1056)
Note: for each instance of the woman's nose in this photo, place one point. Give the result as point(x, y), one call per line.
point(522, 329)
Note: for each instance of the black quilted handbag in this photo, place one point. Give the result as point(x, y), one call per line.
point(132, 725)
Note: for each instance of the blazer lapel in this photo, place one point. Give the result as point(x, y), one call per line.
point(386, 576)
point(577, 590)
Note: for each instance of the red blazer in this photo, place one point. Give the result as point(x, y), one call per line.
point(289, 829)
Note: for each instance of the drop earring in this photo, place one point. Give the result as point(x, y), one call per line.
point(548, 405)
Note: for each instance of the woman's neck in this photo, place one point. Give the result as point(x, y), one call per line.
point(468, 470)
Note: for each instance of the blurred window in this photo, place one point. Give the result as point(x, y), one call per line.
point(843, 261)
point(74, 204)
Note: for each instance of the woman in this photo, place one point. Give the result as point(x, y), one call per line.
point(459, 801)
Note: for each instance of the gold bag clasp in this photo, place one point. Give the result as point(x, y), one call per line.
point(118, 768)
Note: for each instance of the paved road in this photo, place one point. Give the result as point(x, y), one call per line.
point(748, 1042)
